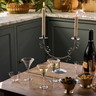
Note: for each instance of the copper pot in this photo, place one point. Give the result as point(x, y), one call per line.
point(89, 6)
point(58, 3)
point(65, 7)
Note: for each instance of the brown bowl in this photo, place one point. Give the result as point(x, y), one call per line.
point(68, 84)
point(69, 87)
point(85, 79)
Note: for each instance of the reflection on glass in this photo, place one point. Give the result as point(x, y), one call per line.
point(78, 69)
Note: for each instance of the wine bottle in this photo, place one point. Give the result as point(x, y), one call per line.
point(89, 55)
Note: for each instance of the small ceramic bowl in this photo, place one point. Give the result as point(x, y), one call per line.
point(68, 84)
point(85, 79)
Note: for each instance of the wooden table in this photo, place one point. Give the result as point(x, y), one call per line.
point(31, 88)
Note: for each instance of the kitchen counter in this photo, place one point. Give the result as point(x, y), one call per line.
point(7, 18)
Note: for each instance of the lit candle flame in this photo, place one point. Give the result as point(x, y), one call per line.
point(43, 4)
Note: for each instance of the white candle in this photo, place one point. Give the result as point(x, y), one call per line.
point(43, 20)
point(76, 26)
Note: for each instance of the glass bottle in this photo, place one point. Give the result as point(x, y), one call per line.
point(89, 55)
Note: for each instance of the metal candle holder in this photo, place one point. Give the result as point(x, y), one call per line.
point(69, 52)
point(47, 49)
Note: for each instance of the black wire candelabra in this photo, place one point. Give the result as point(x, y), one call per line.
point(48, 50)
point(69, 52)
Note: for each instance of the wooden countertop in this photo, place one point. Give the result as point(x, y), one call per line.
point(55, 89)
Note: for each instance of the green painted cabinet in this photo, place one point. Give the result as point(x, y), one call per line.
point(27, 42)
point(7, 54)
point(17, 41)
point(60, 31)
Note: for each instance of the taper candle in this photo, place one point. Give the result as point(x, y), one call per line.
point(76, 26)
point(43, 20)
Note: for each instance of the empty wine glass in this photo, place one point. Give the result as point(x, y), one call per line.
point(15, 76)
point(43, 69)
point(53, 64)
point(92, 65)
point(78, 69)
point(27, 61)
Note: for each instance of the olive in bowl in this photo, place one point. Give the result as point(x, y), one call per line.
point(69, 84)
point(85, 79)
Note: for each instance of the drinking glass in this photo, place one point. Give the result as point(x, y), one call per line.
point(15, 76)
point(27, 62)
point(53, 62)
point(59, 70)
point(92, 65)
point(43, 68)
point(78, 69)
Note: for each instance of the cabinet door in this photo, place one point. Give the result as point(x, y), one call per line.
point(60, 32)
point(28, 34)
point(6, 51)
point(59, 36)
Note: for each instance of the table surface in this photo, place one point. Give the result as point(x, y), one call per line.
point(55, 89)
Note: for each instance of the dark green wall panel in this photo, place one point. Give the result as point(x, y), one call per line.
point(6, 54)
point(28, 42)
point(60, 31)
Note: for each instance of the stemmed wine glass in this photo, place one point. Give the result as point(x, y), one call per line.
point(78, 69)
point(27, 61)
point(54, 62)
point(43, 69)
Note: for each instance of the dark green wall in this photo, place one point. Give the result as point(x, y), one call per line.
point(60, 31)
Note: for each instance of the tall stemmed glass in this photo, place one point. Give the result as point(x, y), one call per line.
point(78, 69)
point(54, 62)
point(43, 69)
point(27, 61)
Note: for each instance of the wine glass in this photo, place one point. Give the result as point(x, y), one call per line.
point(92, 65)
point(59, 70)
point(27, 61)
point(78, 69)
point(43, 69)
point(53, 64)
point(15, 76)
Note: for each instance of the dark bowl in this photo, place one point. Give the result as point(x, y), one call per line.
point(68, 86)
